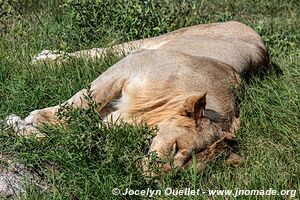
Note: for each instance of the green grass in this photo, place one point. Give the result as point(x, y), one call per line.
point(83, 160)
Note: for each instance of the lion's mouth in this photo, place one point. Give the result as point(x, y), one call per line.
point(225, 143)
point(153, 167)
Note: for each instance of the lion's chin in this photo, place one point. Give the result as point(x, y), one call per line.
point(153, 167)
point(227, 144)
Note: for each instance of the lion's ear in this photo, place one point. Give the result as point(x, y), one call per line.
point(194, 106)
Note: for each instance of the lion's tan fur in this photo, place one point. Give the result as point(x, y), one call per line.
point(143, 102)
point(182, 82)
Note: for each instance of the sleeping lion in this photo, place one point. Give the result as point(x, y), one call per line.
point(182, 82)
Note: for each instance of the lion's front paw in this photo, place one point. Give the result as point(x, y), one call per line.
point(47, 55)
point(21, 127)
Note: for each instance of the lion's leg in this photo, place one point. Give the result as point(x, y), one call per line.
point(39, 117)
point(94, 53)
point(27, 126)
point(103, 90)
point(48, 55)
